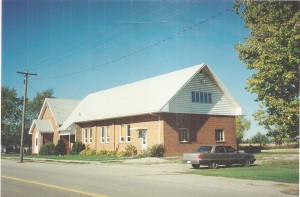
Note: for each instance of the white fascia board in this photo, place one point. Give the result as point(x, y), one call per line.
point(31, 127)
point(238, 108)
point(165, 108)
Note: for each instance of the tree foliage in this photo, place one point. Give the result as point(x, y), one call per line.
point(11, 114)
point(260, 138)
point(272, 51)
point(242, 125)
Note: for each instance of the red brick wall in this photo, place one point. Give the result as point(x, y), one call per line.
point(143, 121)
point(202, 131)
point(201, 127)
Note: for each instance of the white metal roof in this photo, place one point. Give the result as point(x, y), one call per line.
point(146, 96)
point(43, 126)
point(60, 109)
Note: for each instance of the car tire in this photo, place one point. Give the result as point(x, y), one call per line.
point(195, 166)
point(213, 165)
point(247, 162)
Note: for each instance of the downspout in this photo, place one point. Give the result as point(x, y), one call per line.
point(158, 125)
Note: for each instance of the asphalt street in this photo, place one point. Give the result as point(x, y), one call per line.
point(113, 180)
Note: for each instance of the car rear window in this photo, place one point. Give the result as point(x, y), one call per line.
point(204, 149)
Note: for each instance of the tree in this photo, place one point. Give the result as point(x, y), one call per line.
point(260, 139)
point(272, 51)
point(11, 114)
point(242, 125)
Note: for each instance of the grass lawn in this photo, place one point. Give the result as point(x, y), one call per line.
point(275, 166)
point(69, 157)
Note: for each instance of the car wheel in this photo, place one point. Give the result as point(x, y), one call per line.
point(213, 165)
point(195, 166)
point(247, 162)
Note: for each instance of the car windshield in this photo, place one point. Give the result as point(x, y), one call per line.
point(204, 149)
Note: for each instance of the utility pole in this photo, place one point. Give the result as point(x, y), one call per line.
point(26, 74)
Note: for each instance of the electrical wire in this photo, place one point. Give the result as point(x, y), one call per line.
point(118, 39)
point(122, 38)
point(141, 49)
point(56, 56)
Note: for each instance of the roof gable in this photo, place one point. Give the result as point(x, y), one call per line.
point(60, 108)
point(43, 126)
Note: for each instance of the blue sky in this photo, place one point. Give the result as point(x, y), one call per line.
point(79, 47)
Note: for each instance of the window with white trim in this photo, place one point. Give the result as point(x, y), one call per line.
point(219, 135)
point(201, 97)
point(184, 135)
point(102, 135)
point(87, 136)
point(107, 134)
point(91, 136)
point(124, 133)
point(128, 134)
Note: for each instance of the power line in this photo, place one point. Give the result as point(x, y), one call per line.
point(118, 39)
point(50, 58)
point(142, 49)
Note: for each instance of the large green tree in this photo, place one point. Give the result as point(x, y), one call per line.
point(272, 52)
point(11, 116)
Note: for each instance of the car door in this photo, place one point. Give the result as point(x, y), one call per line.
point(220, 154)
point(233, 155)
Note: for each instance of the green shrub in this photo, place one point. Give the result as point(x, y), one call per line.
point(154, 151)
point(157, 150)
point(101, 152)
point(47, 149)
point(83, 152)
point(130, 150)
point(77, 148)
point(144, 153)
point(88, 152)
point(61, 148)
point(111, 153)
point(121, 154)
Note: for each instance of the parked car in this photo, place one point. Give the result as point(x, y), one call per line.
point(214, 155)
point(12, 148)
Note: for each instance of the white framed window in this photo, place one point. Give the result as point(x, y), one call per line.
point(184, 135)
point(201, 97)
point(219, 135)
point(88, 136)
point(124, 133)
point(85, 135)
point(128, 133)
point(102, 135)
point(107, 134)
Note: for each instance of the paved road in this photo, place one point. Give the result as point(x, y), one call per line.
point(112, 180)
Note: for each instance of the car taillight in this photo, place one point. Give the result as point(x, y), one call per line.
point(199, 156)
